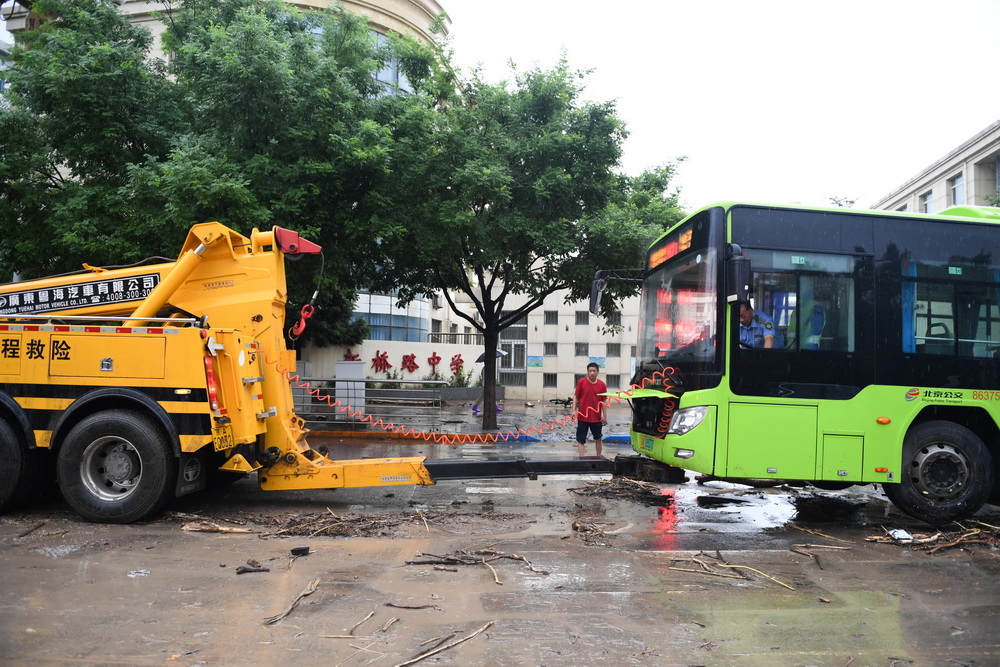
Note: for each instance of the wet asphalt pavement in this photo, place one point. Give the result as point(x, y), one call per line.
point(712, 574)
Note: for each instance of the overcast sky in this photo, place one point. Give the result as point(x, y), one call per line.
point(792, 101)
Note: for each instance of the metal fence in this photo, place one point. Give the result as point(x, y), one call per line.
point(329, 404)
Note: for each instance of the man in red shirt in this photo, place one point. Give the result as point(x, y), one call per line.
point(590, 408)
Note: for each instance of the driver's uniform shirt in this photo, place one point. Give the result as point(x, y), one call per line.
point(761, 325)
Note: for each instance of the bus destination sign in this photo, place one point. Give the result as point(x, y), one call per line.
point(670, 246)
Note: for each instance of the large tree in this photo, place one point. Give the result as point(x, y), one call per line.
point(511, 188)
point(265, 116)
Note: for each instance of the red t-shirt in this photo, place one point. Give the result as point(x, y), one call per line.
point(589, 399)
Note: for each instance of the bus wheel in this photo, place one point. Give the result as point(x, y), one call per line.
point(116, 467)
point(947, 473)
point(20, 469)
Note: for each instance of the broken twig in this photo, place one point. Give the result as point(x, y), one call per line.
point(446, 646)
point(355, 627)
point(308, 590)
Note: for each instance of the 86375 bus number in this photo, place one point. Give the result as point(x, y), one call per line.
point(986, 395)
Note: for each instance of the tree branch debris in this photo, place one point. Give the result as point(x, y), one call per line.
point(308, 590)
point(705, 567)
point(472, 557)
point(623, 487)
point(933, 542)
point(431, 652)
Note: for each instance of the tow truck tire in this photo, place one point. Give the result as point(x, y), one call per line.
point(20, 469)
point(947, 473)
point(116, 467)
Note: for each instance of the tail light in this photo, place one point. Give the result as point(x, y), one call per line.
point(213, 385)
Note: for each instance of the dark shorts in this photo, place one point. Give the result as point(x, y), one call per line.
point(581, 430)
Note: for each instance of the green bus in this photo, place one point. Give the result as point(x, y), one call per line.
point(884, 357)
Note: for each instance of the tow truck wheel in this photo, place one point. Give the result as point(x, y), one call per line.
point(947, 473)
point(116, 467)
point(19, 469)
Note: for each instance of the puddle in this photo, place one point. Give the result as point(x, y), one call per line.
point(718, 501)
point(826, 509)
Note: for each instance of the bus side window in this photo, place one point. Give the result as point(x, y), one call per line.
point(810, 297)
point(808, 332)
point(775, 295)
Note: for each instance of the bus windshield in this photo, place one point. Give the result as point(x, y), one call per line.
point(678, 312)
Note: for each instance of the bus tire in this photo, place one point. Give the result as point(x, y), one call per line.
point(20, 469)
point(116, 467)
point(947, 473)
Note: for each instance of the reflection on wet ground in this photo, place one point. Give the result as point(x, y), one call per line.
point(153, 592)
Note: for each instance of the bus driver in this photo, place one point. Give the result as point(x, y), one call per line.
point(756, 328)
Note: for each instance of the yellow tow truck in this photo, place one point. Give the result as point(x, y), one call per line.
point(142, 383)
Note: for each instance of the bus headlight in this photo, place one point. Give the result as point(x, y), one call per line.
point(686, 419)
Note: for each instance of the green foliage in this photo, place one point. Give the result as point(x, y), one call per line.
point(461, 378)
point(511, 188)
point(86, 104)
point(266, 116)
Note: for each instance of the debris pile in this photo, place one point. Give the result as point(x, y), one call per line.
point(976, 532)
point(592, 533)
point(470, 557)
point(328, 524)
point(628, 489)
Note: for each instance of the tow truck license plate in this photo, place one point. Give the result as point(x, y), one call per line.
point(222, 437)
point(647, 443)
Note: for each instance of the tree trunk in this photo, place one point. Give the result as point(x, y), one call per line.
point(490, 341)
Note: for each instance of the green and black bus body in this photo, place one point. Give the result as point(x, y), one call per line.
point(885, 359)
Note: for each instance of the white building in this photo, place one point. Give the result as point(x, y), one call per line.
point(967, 175)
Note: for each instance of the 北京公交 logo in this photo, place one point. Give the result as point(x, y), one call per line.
point(912, 394)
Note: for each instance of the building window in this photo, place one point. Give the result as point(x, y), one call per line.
point(927, 202)
point(632, 351)
point(391, 77)
point(614, 381)
point(615, 319)
point(516, 331)
point(550, 380)
point(957, 189)
point(583, 349)
point(582, 317)
point(902, 209)
point(552, 317)
point(386, 326)
point(551, 349)
point(614, 349)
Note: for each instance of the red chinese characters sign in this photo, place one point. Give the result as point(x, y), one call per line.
point(380, 362)
point(434, 360)
point(410, 362)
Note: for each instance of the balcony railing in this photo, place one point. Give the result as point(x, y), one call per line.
point(455, 338)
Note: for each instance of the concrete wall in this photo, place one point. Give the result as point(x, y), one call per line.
point(322, 362)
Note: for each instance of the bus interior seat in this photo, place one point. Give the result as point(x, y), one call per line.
point(811, 329)
point(933, 341)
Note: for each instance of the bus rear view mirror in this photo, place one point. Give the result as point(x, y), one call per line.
point(737, 275)
point(597, 290)
point(603, 277)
